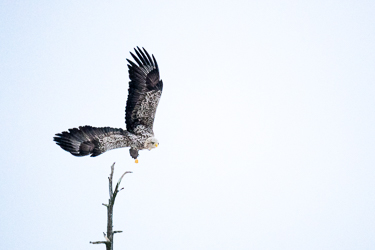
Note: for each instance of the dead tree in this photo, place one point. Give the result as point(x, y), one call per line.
point(112, 196)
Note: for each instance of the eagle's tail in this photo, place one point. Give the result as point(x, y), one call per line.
point(90, 140)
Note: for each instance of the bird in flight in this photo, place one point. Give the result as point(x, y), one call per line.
point(145, 88)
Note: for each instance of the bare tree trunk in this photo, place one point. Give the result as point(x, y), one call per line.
point(111, 202)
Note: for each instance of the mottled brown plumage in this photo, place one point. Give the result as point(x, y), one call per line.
point(145, 89)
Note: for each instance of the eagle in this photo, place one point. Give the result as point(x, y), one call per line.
point(145, 89)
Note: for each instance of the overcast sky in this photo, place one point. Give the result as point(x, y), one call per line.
point(266, 124)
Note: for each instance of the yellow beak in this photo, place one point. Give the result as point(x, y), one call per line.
point(156, 145)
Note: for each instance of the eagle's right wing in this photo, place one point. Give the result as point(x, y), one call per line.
point(90, 140)
point(145, 90)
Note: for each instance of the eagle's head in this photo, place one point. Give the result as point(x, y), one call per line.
point(151, 143)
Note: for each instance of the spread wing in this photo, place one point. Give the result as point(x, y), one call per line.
point(145, 90)
point(92, 141)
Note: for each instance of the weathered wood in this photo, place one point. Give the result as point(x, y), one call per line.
point(111, 202)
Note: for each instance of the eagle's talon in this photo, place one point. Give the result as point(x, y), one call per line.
point(136, 160)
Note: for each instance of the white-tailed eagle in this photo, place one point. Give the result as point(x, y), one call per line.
point(145, 88)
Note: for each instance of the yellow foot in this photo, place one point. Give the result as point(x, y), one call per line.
point(136, 160)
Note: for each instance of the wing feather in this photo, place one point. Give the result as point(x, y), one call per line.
point(148, 56)
point(142, 57)
point(137, 59)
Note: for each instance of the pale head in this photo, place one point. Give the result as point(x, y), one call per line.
point(151, 143)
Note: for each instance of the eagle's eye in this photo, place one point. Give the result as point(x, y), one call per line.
point(152, 142)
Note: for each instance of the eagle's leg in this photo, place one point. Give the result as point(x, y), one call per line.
point(134, 154)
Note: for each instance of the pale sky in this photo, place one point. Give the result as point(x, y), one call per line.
point(266, 124)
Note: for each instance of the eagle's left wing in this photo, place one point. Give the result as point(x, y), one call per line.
point(145, 90)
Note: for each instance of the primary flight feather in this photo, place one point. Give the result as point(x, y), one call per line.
point(145, 88)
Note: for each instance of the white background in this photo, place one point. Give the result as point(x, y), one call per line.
point(266, 124)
